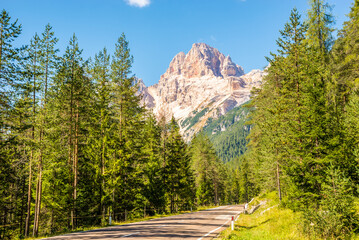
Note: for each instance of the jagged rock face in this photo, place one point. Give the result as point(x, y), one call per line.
point(198, 86)
point(202, 60)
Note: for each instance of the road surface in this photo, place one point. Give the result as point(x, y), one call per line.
point(197, 225)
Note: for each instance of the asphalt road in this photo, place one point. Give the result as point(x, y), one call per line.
point(197, 225)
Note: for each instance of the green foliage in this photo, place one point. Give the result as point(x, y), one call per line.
point(230, 143)
point(76, 146)
point(216, 182)
point(268, 222)
point(191, 121)
point(336, 217)
point(303, 124)
point(178, 176)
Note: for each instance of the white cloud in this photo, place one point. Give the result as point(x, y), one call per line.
point(138, 3)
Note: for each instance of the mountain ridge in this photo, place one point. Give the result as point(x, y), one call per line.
point(200, 85)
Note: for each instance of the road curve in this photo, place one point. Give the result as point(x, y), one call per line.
point(197, 225)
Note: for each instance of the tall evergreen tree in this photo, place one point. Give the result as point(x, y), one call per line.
point(277, 131)
point(178, 172)
point(125, 172)
point(71, 93)
point(100, 132)
point(154, 168)
point(206, 167)
point(10, 87)
point(344, 91)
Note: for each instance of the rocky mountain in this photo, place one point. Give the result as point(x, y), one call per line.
point(198, 87)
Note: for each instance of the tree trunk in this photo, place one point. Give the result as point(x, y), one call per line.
point(76, 158)
point(38, 198)
point(103, 209)
point(27, 223)
point(33, 139)
point(70, 160)
point(278, 182)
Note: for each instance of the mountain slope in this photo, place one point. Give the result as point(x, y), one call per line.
point(228, 133)
point(200, 85)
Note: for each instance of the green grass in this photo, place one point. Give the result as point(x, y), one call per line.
point(276, 223)
point(273, 224)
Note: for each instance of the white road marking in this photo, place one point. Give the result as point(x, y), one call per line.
point(130, 234)
point(212, 231)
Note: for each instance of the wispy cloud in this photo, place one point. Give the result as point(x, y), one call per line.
point(138, 3)
point(213, 38)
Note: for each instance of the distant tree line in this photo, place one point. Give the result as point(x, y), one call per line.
point(77, 147)
point(305, 137)
point(228, 134)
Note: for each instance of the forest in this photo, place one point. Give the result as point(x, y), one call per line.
point(77, 147)
point(304, 140)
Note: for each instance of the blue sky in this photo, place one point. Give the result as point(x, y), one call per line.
point(158, 29)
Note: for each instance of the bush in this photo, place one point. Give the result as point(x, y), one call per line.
point(335, 217)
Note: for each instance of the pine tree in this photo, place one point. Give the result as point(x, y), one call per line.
point(279, 108)
point(35, 71)
point(100, 132)
point(9, 64)
point(154, 190)
point(178, 173)
point(317, 123)
point(47, 60)
point(207, 171)
point(71, 93)
point(125, 172)
point(344, 91)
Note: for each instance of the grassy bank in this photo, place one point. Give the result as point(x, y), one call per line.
point(269, 222)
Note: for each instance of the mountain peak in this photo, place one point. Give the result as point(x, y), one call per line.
point(201, 46)
point(202, 60)
point(199, 86)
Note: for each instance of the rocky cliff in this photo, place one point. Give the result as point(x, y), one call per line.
point(198, 87)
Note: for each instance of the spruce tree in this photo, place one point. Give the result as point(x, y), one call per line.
point(178, 173)
point(71, 93)
point(125, 172)
point(154, 190)
point(206, 167)
point(102, 127)
point(344, 91)
point(9, 82)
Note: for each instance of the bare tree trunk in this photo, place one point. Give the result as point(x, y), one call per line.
point(76, 159)
point(70, 160)
point(103, 209)
point(215, 191)
point(38, 199)
point(33, 139)
point(40, 165)
point(278, 180)
point(27, 223)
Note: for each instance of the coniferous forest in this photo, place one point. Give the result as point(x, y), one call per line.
point(77, 147)
point(304, 140)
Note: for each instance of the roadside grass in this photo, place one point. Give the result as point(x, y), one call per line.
point(270, 222)
point(114, 223)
